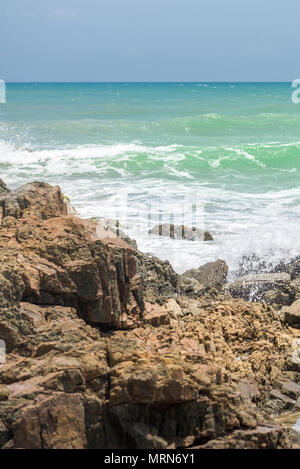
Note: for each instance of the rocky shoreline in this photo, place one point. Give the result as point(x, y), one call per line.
point(110, 348)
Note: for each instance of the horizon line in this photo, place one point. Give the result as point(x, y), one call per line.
point(144, 82)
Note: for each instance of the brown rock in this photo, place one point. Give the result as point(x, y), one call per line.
point(185, 368)
point(4, 392)
point(287, 401)
point(57, 422)
point(4, 434)
point(292, 314)
point(3, 189)
point(213, 274)
point(38, 198)
point(160, 281)
point(60, 261)
point(156, 315)
point(262, 437)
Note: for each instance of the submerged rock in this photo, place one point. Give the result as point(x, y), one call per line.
point(180, 232)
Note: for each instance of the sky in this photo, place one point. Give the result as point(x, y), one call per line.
point(149, 40)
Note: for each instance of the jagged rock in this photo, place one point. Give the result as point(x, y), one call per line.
point(55, 422)
point(191, 287)
point(140, 382)
point(279, 298)
point(4, 191)
point(293, 358)
point(249, 390)
point(270, 287)
point(213, 274)
point(107, 225)
point(39, 198)
point(287, 402)
point(160, 281)
point(156, 315)
point(292, 314)
point(176, 371)
point(4, 392)
point(296, 285)
point(262, 437)
point(294, 268)
point(180, 232)
point(291, 389)
point(4, 435)
point(60, 261)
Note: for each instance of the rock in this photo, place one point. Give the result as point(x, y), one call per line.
point(191, 287)
point(68, 387)
point(249, 390)
point(293, 359)
point(107, 224)
point(70, 209)
point(4, 191)
point(270, 287)
point(180, 232)
point(160, 281)
point(287, 402)
point(296, 285)
point(38, 197)
point(279, 298)
point(262, 437)
point(4, 392)
point(56, 422)
point(107, 349)
point(292, 314)
point(291, 389)
point(156, 315)
point(213, 274)
point(294, 268)
point(4, 434)
point(173, 308)
point(60, 261)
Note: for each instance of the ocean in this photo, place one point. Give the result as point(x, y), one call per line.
point(150, 151)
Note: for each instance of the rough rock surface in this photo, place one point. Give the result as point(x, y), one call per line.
point(104, 350)
point(48, 257)
point(159, 280)
point(212, 274)
point(292, 314)
point(273, 288)
point(180, 232)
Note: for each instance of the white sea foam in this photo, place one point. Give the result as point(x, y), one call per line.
point(263, 222)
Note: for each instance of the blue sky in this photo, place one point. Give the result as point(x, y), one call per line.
point(143, 40)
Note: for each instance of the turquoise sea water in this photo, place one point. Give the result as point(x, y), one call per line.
point(231, 148)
